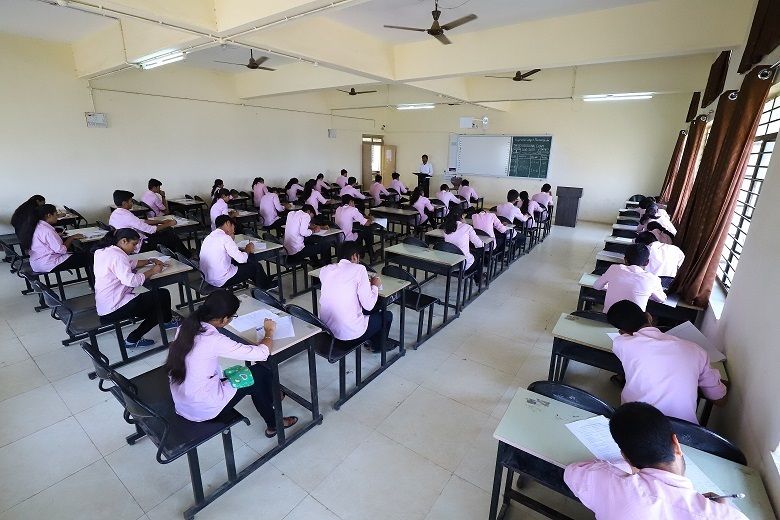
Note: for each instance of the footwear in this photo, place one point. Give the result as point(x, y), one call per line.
point(174, 323)
point(143, 342)
point(271, 284)
point(271, 433)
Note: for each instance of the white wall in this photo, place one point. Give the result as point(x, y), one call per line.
point(46, 148)
point(612, 150)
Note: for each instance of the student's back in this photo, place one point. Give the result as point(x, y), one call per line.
point(629, 282)
point(346, 291)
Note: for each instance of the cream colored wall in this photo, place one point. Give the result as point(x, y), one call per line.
point(46, 147)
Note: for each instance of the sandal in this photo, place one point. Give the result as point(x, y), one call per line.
point(269, 433)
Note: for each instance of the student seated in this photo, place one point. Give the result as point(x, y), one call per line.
point(220, 207)
point(655, 214)
point(199, 390)
point(320, 183)
point(48, 252)
point(657, 488)
point(116, 278)
point(461, 234)
point(545, 197)
point(630, 281)
point(347, 215)
point(661, 234)
point(259, 190)
point(270, 208)
point(423, 206)
point(661, 369)
point(342, 179)
point(377, 190)
point(292, 188)
point(665, 259)
point(466, 192)
point(298, 241)
point(489, 223)
point(510, 211)
point(25, 217)
point(314, 198)
point(151, 233)
point(398, 185)
point(218, 185)
point(644, 204)
point(349, 189)
point(224, 264)
point(154, 197)
point(529, 207)
point(447, 198)
point(348, 300)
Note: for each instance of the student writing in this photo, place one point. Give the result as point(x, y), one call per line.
point(298, 241)
point(48, 252)
point(270, 207)
point(630, 281)
point(224, 264)
point(320, 183)
point(313, 197)
point(398, 185)
point(447, 198)
point(218, 185)
point(460, 234)
point(151, 233)
point(466, 192)
point(346, 216)
point(509, 209)
point(489, 223)
point(292, 188)
point(545, 197)
point(25, 216)
point(422, 204)
point(220, 207)
point(259, 190)
point(665, 259)
point(377, 190)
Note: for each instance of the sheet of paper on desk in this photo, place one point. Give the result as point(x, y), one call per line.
point(322, 232)
point(594, 434)
point(689, 332)
point(258, 245)
point(613, 335)
point(701, 482)
point(381, 221)
point(253, 320)
point(163, 258)
point(284, 327)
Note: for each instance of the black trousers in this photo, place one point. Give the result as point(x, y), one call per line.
point(252, 271)
point(476, 267)
point(311, 249)
point(167, 238)
point(143, 307)
point(261, 393)
point(374, 332)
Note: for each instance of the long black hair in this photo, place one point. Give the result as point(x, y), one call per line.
point(217, 184)
point(27, 226)
point(308, 188)
point(652, 226)
point(524, 205)
point(416, 194)
point(290, 183)
point(113, 237)
point(218, 305)
point(452, 219)
point(651, 213)
point(26, 211)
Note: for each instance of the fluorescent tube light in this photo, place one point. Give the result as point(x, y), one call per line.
point(619, 97)
point(161, 59)
point(416, 106)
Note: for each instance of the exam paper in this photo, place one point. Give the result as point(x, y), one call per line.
point(258, 245)
point(701, 482)
point(381, 221)
point(164, 259)
point(689, 332)
point(613, 335)
point(594, 434)
point(284, 327)
point(322, 232)
point(254, 320)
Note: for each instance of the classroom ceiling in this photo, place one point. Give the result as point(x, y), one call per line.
point(47, 22)
point(210, 59)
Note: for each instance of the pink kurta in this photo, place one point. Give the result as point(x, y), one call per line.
point(122, 218)
point(154, 201)
point(461, 237)
point(488, 222)
point(47, 250)
point(215, 254)
point(345, 217)
point(346, 291)
point(114, 279)
point(269, 208)
point(296, 230)
point(629, 282)
point(665, 259)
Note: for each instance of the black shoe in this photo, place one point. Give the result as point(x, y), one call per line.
point(270, 285)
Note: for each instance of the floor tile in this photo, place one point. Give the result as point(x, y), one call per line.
point(20, 377)
point(470, 383)
point(29, 412)
point(460, 501)
point(310, 509)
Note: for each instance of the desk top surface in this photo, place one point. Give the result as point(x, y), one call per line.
point(242, 213)
point(424, 253)
point(174, 266)
point(180, 222)
point(91, 234)
point(269, 246)
point(508, 226)
point(394, 211)
point(537, 425)
point(302, 329)
point(611, 256)
point(187, 202)
point(390, 285)
point(439, 233)
point(619, 240)
point(136, 207)
point(626, 227)
point(672, 300)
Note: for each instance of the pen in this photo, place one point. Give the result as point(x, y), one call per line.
point(734, 495)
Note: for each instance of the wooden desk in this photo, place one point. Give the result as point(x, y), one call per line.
point(628, 221)
point(617, 244)
point(437, 235)
point(183, 226)
point(91, 234)
point(186, 206)
point(270, 250)
point(238, 201)
point(405, 217)
point(137, 210)
point(533, 440)
point(606, 258)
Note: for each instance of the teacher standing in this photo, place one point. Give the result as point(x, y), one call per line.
point(424, 175)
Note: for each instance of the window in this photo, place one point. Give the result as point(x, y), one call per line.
point(755, 173)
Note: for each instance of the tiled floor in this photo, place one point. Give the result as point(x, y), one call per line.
point(415, 444)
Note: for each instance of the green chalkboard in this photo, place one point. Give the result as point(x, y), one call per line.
point(530, 156)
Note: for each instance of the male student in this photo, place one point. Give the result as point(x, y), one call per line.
point(509, 209)
point(224, 264)
point(296, 242)
point(154, 197)
point(220, 206)
point(426, 171)
point(661, 369)
point(630, 281)
point(347, 215)
point(152, 233)
point(657, 488)
point(269, 208)
point(377, 190)
point(544, 198)
point(447, 198)
point(342, 179)
point(348, 299)
point(665, 259)
point(489, 223)
point(466, 192)
point(398, 185)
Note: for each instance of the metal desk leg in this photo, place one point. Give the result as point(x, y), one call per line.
point(275, 387)
point(279, 273)
point(497, 474)
point(160, 318)
point(447, 295)
point(315, 400)
point(383, 341)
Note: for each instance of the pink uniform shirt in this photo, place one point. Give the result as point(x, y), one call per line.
point(446, 197)
point(376, 189)
point(488, 222)
point(352, 191)
point(662, 237)
point(292, 193)
point(122, 218)
point(296, 230)
point(154, 201)
point(629, 282)
point(259, 191)
point(345, 217)
point(114, 279)
point(47, 250)
point(649, 494)
point(346, 291)
point(219, 207)
point(341, 180)
point(467, 193)
point(202, 395)
point(269, 208)
point(511, 212)
point(535, 207)
point(215, 255)
point(399, 186)
point(315, 199)
point(665, 259)
point(320, 185)
point(461, 237)
point(667, 372)
point(421, 205)
point(543, 198)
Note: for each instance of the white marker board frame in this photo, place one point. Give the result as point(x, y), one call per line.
point(487, 155)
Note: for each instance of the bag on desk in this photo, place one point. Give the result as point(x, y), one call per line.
point(239, 376)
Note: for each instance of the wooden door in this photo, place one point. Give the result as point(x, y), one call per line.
point(389, 152)
point(366, 173)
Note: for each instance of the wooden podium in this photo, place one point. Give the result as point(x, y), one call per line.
point(568, 205)
point(423, 182)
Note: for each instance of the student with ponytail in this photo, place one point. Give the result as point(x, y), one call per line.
point(218, 185)
point(48, 252)
point(199, 390)
point(314, 198)
point(422, 204)
point(116, 277)
point(259, 189)
point(460, 234)
point(24, 215)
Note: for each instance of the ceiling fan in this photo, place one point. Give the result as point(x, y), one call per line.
point(353, 92)
point(519, 76)
point(254, 64)
point(436, 30)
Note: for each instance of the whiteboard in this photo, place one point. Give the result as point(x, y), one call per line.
point(484, 155)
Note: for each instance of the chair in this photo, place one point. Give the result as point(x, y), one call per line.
point(188, 197)
point(703, 439)
point(165, 251)
point(268, 299)
point(414, 298)
point(468, 276)
point(105, 227)
point(591, 315)
point(195, 280)
point(493, 256)
point(81, 220)
point(573, 396)
point(414, 241)
point(287, 266)
point(636, 198)
point(334, 350)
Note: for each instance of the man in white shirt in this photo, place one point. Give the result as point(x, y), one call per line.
point(510, 211)
point(425, 172)
point(224, 265)
point(631, 281)
point(665, 259)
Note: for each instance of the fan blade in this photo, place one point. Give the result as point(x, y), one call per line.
point(366, 92)
point(443, 39)
point(529, 73)
point(459, 22)
point(344, 91)
point(405, 28)
point(229, 63)
point(498, 77)
point(269, 68)
point(261, 60)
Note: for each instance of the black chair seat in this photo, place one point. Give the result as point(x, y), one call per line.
point(418, 301)
point(338, 351)
point(84, 323)
point(80, 304)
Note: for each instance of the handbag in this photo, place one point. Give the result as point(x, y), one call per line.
point(239, 376)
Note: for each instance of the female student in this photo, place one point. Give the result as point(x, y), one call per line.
point(25, 216)
point(509, 209)
point(489, 223)
point(529, 207)
point(342, 179)
point(258, 190)
point(461, 234)
point(47, 250)
point(320, 183)
point(545, 197)
point(347, 215)
point(299, 227)
point(218, 185)
point(292, 188)
point(199, 391)
point(377, 190)
point(313, 197)
point(422, 204)
point(661, 233)
point(466, 192)
point(654, 214)
point(269, 208)
point(116, 277)
point(220, 207)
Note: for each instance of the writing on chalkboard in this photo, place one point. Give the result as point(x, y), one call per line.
point(530, 156)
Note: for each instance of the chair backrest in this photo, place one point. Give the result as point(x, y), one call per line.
point(102, 225)
point(102, 366)
point(447, 247)
point(268, 237)
point(188, 197)
point(703, 439)
point(268, 299)
point(402, 274)
point(637, 198)
point(165, 251)
point(436, 201)
point(414, 241)
point(303, 314)
point(145, 205)
point(591, 315)
point(81, 218)
point(198, 198)
point(573, 396)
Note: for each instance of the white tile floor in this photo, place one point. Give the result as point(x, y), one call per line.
point(415, 444)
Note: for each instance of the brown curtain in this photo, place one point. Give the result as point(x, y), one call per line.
point(718, 189)
point(693, 107)
point(674, 165)
point(681, 187)
point(764, 34)
point(717, 79)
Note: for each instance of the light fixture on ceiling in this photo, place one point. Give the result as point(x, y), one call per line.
point(631, 96)
point(161, 58)
point(415, 106)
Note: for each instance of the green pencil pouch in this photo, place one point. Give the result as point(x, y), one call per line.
point(239, 376)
